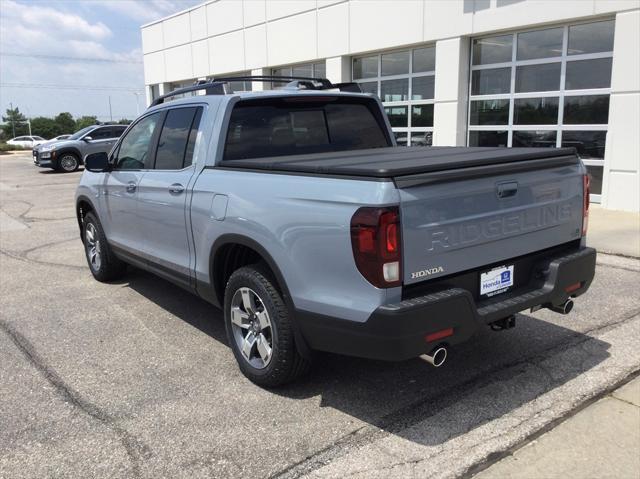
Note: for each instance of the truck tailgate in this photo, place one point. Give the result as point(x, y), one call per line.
point(467, 218)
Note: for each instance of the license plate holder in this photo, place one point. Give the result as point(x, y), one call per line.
point(496, 281)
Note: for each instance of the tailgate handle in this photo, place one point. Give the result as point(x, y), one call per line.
point(506, 190)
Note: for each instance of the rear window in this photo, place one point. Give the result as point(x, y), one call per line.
point(291, 126)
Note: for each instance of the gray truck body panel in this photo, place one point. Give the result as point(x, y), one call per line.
point(299, 213)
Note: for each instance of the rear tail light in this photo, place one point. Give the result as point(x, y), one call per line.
point(375, 239)
point(585, 205)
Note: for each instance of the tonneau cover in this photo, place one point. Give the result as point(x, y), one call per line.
point(392, 162)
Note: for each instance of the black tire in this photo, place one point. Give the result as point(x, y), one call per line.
point(68, 162)
point(108, 268)
point(285, 363)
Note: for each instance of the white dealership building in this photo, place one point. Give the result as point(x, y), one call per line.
point(449, 72)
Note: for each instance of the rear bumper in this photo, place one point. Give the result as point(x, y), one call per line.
point(397, 331)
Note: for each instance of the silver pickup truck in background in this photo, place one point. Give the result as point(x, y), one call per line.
point(295, 212)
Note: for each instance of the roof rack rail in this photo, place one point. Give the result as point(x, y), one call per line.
point(216, 86)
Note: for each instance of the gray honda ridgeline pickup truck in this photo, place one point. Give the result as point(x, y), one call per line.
point(295, 212)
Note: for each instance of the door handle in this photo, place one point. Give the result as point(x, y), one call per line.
point(176, 188)
point(131, 187)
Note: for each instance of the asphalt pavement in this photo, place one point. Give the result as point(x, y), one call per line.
point(135, 378)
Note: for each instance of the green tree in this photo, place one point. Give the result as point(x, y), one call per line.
point(85, 121)
point(124, 121)
point(15, 123)
point(65, 122)
point(46, 127)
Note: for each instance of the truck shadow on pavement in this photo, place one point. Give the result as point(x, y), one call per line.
point(484, 379)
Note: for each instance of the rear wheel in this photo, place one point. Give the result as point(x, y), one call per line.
point(259, 329)
point(102, 262)
point(68, 163)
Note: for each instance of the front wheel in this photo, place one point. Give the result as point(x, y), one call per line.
point(102, 262)
point(259, 329)
point(68, 163)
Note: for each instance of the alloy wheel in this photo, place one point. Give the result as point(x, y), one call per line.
point(68, 163)
point(93, 247)
point(251, 326)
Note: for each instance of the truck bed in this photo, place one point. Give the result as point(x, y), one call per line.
point(400, 161)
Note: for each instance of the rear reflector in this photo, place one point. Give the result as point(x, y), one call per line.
point(445, 333)
point(572, 288)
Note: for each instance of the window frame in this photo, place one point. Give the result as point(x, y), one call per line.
point(560, 94)
point(113, 158)
point(99, 128)
point(117, 127)
point(410, 102)
point(158, 134)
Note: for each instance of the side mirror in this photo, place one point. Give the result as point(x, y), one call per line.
point(87, 138)
point(97, 162)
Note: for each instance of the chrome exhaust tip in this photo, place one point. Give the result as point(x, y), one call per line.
point(437, 357)
point(564, 308)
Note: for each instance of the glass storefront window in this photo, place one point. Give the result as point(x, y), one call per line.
point(516, 81)
point(394, 90)
point(402, 138)
point(586, 110)
point(422, 115)
point(588, 144)
point(489, 112)
point(535, 111)
point(397, 116)
point(424, 59)
point(595, 176)
point(281, 72)
point(320, 70)
point(544, 77)
point(422, 88)
point(491, 81)
point(302, 71)
point(591, 38)
point(540, 44)
point(422, 138)
point(155, 91)
point(492, 50)
point(307, 70)
point(394, 63)
point(366, 67)
point(588, 74)
point(405, 82)
point(535, 138)
point(488, 138)
point(369, 87)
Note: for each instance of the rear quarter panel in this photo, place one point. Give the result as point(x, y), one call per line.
point(304, 224)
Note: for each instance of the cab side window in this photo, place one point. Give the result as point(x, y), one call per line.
point(135, 147)
point(100, 133)
point(117, 131)
point(177, 138)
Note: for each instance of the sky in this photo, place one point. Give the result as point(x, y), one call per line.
point(73, 55)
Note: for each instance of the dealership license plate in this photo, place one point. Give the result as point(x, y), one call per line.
point(496, 281)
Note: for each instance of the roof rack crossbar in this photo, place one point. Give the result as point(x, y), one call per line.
point(216, 86)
